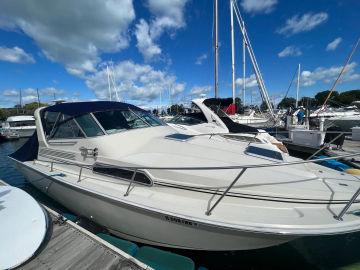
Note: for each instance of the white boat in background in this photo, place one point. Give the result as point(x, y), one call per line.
point(346, 123)
point(210, 120)
point(121, 167)
point(20, 126)
point(23, 226)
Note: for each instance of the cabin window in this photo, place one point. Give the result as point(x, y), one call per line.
point(262, 152)
point(89, 126)
point(114, 121)
point(66, 128)
point(124, 174)
point(25, 123)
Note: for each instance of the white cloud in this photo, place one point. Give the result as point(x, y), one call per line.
point(290, 51)
point(304, 23)
point(136, 83)
point(200, 90)
point(201, 59)
point(328, 75)
point(145, 43)
point(250, 82)
point(168, 15)
point(73, 33)
point(258, 6)
point(15, 55)
point(333, 44)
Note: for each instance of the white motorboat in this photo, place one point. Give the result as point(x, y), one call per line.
point(20, 126)
point(344, 122)
point(120, 166)
point(209, 120)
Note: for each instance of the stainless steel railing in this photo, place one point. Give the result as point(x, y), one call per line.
point(242, 169)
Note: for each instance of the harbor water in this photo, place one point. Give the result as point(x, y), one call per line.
point(328, 252)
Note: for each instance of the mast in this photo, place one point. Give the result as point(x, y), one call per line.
point(259, 79)
point(244, 69)
point(297, 87)
point(38, 97)
point(216, 49)
point(232, 49)
point(108, 77)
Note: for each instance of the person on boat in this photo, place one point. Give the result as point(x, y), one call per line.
point(301, 116)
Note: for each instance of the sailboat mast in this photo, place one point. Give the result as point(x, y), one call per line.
point(232, 49)
point(108, 77)
point(244, 70)
point(216, 50)
point(297, 87)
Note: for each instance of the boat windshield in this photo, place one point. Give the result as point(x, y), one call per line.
point(114, 121)
point(195, 117)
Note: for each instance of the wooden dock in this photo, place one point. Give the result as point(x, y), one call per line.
point(69, 246)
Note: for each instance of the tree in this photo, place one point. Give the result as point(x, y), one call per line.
point(239, 105)
point(33, 106)
point(321, 96)
point(264, 107)
point(177, 109)
point(287, 102)
point(307, 102)
point(346, 98)
point(3, 114)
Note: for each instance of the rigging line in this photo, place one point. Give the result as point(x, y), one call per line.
point(292, 80)
point(341, 72)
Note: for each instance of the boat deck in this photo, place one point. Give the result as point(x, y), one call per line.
point(69, 246)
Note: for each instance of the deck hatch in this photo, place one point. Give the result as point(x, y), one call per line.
point(179, 137)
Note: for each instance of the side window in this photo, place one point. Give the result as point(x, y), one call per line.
point(48, 121)
point(89, 126)
point(66, 128)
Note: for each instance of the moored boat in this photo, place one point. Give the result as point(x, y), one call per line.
point(123, 168)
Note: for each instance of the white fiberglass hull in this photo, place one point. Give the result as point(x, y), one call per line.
point(146, 226)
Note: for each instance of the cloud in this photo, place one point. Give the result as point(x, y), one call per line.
point(135, 82)
point(304, 23)
point(200, 90)
point(145, 43)
point(167, 15)
point(290, 51)
point(328, 75)
point(333, 44)
point(73, 33)
point(15, 55)
point(201, 59)
point(258, 6)
point(250, 82)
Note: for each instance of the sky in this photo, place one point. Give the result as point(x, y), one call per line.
point(157, 52)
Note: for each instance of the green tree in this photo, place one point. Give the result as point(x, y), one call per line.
point(263, 106)
point(308, 102)
point(3, 114)
point(321, 97)
point(346, 98)
point(287, 102)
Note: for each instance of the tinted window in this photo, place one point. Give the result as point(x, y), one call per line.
point(140, 177)
point(49, 121)
point(66, 128)
point(263, 152)
point(22, 123)
point(188, 119)
point(114, 121)
point(89, 126)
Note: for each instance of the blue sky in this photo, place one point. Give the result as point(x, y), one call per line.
point(164, 47)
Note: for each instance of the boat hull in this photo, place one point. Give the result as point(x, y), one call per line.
point(145, 226)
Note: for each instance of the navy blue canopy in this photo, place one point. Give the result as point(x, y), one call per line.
point(79, 108)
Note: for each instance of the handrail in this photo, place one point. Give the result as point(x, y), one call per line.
point(238, 176)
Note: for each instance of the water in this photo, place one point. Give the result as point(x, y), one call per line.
point(328, 252)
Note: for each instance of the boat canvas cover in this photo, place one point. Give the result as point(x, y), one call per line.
point(28, 151)
point(74, 109)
